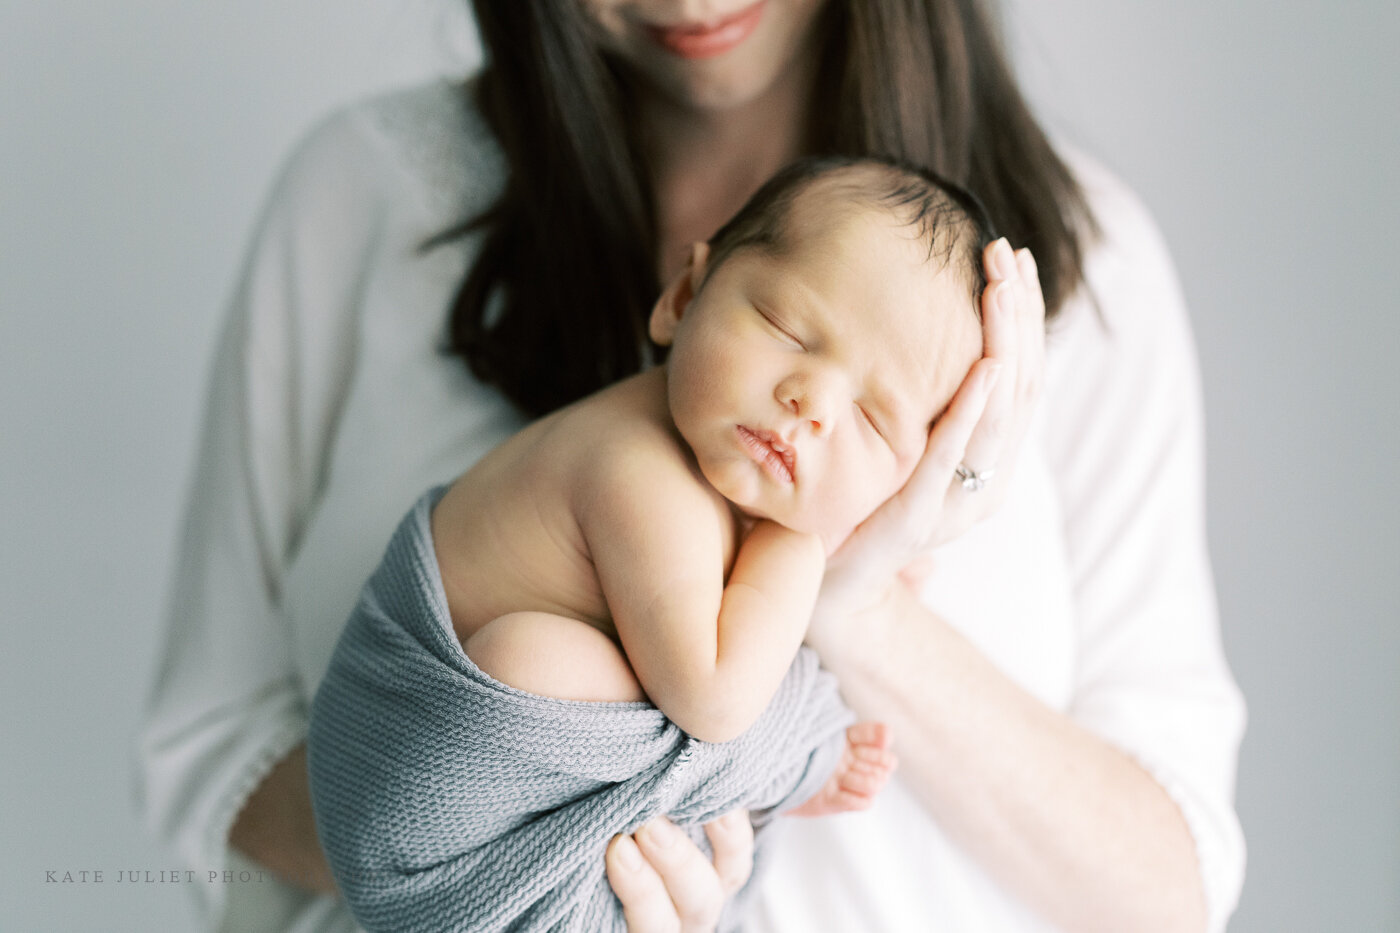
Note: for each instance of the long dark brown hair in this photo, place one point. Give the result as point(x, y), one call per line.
point(556, 303)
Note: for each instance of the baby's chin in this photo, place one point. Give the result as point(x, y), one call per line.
point(832, 536)
point(745, 497)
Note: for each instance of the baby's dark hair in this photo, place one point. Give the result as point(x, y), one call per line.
point(949, 217)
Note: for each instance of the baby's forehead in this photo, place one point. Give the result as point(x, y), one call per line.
point(826, 204)
point(840, 233)
point(874, 283)
point(834, 207)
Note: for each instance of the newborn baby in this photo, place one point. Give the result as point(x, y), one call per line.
point(664, 539)
point(481, 732)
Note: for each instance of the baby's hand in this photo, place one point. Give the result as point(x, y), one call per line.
point(865, 766)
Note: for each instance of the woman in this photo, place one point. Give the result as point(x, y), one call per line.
point(1039, 629)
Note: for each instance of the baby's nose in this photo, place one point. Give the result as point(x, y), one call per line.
point(811, 403)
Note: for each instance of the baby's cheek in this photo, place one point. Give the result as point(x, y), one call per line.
point(859, 484)
point(878, 496)
point(858, 505)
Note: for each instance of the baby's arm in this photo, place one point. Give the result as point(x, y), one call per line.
point(710, 655)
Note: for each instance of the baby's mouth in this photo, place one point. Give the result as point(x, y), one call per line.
point(778, 458)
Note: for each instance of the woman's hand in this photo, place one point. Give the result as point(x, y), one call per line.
point(665, 883)
point(276, 827)
point(981, 431)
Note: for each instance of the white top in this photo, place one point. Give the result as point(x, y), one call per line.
point(332, 407)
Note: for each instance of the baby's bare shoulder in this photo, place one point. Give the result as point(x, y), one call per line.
point(621, 430)
point(633, 460)
point(630, 459)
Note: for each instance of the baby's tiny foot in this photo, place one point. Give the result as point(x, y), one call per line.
point(864, 768)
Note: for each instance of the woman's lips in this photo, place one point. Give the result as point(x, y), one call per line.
point(706, 40)
point(769, 452)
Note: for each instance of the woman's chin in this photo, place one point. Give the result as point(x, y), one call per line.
point(712, 87)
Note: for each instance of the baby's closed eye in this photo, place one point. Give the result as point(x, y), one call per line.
point(781, 330)
point(871, 421)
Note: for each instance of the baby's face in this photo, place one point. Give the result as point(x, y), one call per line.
point(806, 383)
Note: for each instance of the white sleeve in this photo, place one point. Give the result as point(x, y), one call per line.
point(1124, 433)
point(227, 704)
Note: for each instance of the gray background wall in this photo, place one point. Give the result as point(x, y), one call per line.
point(137, 140)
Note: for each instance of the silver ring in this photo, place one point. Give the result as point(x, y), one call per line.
point(971, 479)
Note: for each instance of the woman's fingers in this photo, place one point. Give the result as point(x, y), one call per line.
point(975, 431)
point(690, 879)
point(1000, 301)
point(1030, 273)
point(1033, 307)
point(923, 494)
point(906, 524)
point(646, 906)
point(1002, 340)
point(731, 838)
point(1014, 334)
point(1023, 392)
point(664, 881)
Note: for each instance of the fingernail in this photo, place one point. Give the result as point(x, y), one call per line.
point(628, 854)
point(1005, 300)
point(1004, 259)
point(661, 832)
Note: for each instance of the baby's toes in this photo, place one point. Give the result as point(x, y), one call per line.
point(873, 757)
point(863, 780)
point(868, 735)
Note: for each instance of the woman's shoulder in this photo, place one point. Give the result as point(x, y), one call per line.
point(425, 144)
point(1126, 256)
point(1125, 336)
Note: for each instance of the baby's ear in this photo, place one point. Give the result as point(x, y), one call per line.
point(666, 314)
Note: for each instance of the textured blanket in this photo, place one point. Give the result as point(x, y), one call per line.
point(446, 800)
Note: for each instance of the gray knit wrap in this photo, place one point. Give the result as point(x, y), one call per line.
point(446, 800)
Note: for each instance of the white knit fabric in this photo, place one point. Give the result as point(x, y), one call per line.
point(331, 409)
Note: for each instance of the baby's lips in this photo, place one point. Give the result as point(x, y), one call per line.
point(774, 444)
point(781, 447)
